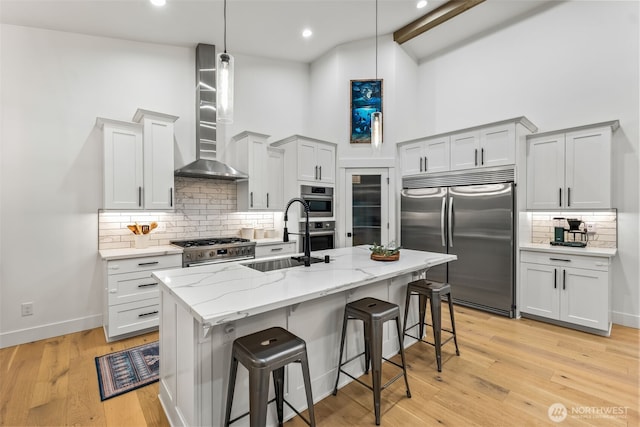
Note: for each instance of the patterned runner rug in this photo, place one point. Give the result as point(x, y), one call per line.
point(128, 370)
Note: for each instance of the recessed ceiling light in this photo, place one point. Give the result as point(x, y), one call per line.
point(306, 33)
point(158, 2)
point(421, 4)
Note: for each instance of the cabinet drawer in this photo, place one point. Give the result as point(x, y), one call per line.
point(130, 287)
point(129, 265)
point(564, 260)
point(132, 317)
point(276, 249)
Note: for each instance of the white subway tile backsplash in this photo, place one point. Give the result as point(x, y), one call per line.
point(542, 227)
point(204, 208)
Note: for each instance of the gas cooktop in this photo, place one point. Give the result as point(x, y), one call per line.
point(210, 241)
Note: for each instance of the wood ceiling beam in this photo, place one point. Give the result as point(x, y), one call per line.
point(433, 19)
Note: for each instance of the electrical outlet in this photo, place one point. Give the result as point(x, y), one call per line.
point(27, 308)
point(591, 227)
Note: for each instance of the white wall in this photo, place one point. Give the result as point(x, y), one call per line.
point(53, 86)
point(572, 64)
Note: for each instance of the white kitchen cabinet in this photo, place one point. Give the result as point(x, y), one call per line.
point(572, 289)
point(131, 298)
point(275, 248)
point(249, 151)
point(427, 155)
point(484, 147)
point(313, 160)
point(570, 169)
point(158, 135)
point(138, 162)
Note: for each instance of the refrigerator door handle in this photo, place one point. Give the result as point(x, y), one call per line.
point(444, 204)
point(450, 222)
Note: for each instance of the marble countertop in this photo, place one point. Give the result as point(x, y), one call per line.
point(108, 254)
point(220, 293)
point(588, 251)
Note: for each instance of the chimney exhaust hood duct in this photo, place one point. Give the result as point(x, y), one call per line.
point(206, 165)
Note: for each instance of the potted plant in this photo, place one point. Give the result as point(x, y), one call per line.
point(391, 252)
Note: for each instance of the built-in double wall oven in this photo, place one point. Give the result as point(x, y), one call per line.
point(319, 199)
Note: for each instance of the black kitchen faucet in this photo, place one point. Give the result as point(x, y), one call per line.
point(307, 242)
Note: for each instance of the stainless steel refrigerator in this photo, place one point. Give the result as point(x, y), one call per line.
point(474, 222)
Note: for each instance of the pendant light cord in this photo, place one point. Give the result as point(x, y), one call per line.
point(225, 24)
point(376, 39)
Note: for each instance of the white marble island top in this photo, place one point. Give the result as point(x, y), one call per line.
point(220, 293)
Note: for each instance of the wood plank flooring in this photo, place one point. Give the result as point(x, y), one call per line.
point(509, 373)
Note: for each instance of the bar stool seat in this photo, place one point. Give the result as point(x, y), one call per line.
point(374, 313)
point(433, 291)
point(263, 353)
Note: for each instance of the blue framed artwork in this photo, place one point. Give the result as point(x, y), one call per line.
point(366, 99)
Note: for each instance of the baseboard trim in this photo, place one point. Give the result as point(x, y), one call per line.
point(36, 333)
point(626, 319)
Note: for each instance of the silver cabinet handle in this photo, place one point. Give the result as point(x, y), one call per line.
point(444, 204)
point(450, 222)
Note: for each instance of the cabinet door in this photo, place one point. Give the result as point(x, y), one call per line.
point(123, 170)
point(307, 166)
point(436, 155)
point(545, 172)
point(498, 145)
point(412, 158)
point(588, 169)
point(158, 164)
point(275, 180)
point(326, 160)
point(539, 285)
point(585, 298)
point(464, 150)
point(257, 174)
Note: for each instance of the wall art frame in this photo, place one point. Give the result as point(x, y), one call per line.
point(366, 98)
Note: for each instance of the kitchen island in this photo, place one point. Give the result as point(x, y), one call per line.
point(203, 309)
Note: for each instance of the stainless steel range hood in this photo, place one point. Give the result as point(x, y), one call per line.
point(206, 165)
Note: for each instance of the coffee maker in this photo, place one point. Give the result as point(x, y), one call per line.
point(574, 229)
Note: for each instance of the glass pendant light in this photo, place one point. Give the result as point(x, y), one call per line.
point(224, 69)
point(376, 118)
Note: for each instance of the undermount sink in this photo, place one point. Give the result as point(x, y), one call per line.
point(279, 264)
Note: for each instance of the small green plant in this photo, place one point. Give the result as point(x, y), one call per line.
point(390, 249)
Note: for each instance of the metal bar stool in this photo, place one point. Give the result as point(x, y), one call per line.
point(373, 312)
point(433, 291)
point(262, 353)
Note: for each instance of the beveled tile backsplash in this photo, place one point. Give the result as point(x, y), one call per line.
point(204, 208)
point(605, 235)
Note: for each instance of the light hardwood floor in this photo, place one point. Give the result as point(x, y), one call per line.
point(509, 373)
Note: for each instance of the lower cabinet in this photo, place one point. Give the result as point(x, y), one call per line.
point(572, 289)
point(131, 301)
point(275, 248)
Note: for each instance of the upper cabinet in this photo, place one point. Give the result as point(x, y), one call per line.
point(571, 168)
point(483, 146)
point(314, 160)
point(425, 155)
point(249, 151)
point(138, 161)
